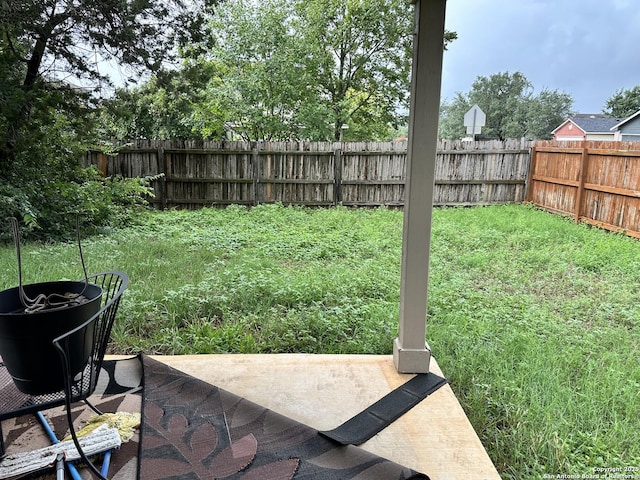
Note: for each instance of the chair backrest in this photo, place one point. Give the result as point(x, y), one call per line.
point(113, 284)
point(90, 339)
point(88, 342)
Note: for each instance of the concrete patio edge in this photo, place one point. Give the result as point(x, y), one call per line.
point(323, 391)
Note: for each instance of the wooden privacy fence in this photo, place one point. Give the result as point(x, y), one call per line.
point(195, 174)
point(595, 182)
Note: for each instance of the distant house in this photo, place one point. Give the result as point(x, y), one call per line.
point(628, 130)
point(586, 126)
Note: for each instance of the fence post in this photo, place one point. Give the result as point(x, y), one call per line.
point(337, 177)
point(255, 163)
point(102, 163)
point(164, 168)
point(582, 175)
point(532, 168)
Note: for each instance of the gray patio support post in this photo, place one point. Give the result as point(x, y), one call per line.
point(411, 353)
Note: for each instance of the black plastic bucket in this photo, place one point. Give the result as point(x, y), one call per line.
point(26, 338)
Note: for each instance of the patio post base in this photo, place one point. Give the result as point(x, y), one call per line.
point(409, 360)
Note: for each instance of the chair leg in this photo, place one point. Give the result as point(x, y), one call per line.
point(67, 403)
point(76, 442)
point(92, 406)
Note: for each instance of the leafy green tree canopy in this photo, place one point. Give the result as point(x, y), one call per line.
point(361, 52)
point(49, 59)
point(263, 84)
point(305, 69)
point(64, 36)
point(315, 70)
point(53, 43)
point(169, 106)
point(623, 103)
point(512, 109)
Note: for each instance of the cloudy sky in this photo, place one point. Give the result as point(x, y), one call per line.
point(587, 48)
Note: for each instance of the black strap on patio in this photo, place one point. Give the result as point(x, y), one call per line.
point(385, 411)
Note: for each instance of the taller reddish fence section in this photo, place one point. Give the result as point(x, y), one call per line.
point(595, 182)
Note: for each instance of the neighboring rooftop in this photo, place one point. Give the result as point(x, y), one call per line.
point(594, 122)
point(626, 120)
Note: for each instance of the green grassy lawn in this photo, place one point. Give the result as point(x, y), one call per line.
point(533, 319)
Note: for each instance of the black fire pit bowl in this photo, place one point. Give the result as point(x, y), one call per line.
point(26, 338)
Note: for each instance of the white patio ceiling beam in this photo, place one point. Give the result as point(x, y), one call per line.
point(411, 353)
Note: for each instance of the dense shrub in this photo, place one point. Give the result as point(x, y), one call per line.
point(48, 207)
point(42, 182)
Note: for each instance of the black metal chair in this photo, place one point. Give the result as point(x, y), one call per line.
point(77, 386)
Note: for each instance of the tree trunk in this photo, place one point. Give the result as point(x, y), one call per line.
point(34, 63)
point(7, 151)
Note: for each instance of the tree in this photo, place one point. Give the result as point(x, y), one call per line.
point(261, 82)
point(451, 123)
point(360, 54)
point(546, 111)
point(503, 97)
point(305, 69)
point(512, 110)
point(280, 70)
point(167, 107)
point(48, 52)
point(623, 103)
point(53, 41)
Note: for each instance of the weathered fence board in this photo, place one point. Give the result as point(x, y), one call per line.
point(595, 182)
point(193, 174)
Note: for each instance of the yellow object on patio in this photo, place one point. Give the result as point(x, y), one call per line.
point(125, 422)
